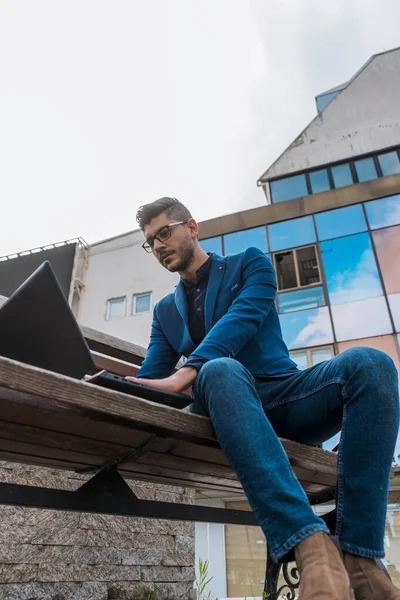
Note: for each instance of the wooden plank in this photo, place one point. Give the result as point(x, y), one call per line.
point(113, 365)
point(112, 346)
point(81, 401)
point(51, 390)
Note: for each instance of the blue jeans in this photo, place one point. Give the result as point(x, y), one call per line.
point(355, 392)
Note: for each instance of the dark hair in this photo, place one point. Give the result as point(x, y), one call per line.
point(170, 206)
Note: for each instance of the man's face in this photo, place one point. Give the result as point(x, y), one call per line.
point(177, 252)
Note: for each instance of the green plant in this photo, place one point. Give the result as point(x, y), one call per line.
point(203, 581)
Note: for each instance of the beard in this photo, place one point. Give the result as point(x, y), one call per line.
point(185, 253)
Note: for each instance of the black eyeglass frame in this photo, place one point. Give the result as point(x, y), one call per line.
point(148, 245)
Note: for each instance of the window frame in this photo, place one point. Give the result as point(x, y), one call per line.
point(109, 302)
point(350, 161)
point(308, 352)
point(296, 268)
point(134, 300)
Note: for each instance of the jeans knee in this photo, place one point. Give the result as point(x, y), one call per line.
point(371, 365)
point(219, 368)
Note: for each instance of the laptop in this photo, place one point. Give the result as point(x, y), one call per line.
point(38, 327)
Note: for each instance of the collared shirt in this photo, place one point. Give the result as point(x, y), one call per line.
point(195, 297)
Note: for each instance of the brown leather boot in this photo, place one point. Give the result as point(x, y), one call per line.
point(368, 580)
point(322, 572)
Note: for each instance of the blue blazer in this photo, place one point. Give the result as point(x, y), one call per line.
point(241, 321)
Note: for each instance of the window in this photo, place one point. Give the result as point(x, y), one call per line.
point(240, 240)
point(365, 318)
point(116, 307)
point(289, 234)
point(307, 298)
point(306, 328)
point(212, 245)
point(366, 169)
point(340, 222)
point(288, 188)
point(341, 175)
point(141, 303)
point(387, 245)
point(383, 212)
point(389, 163)
point(350, 269)
point(297, 268)
point(319, 181)
point(394, 303)
point(311, 357)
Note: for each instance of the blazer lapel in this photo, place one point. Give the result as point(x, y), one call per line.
point(214, 283)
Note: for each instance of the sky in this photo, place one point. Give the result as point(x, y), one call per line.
point(107, 105)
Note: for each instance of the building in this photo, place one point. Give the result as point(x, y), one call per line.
point(331, 226)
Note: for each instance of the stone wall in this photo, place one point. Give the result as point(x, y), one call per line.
point(51, 555)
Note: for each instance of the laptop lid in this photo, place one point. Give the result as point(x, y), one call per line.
point(38, 327)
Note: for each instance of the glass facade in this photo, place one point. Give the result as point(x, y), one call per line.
point(350, 269)
point(345, 270)
point(336, 176)
point(387, 245)
point(394, 303)
point(365, 169)
point(301, 299)
point(319, 181)
point(240, 240)
point(364, 318)
point(341, 175)
point(289, 234)
point(306, 328)
point(383, 212)
point(389, 163)
point(289, 188)
point(340, 222)
point(212, 245)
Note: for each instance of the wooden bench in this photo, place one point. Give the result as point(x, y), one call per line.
point(50, 420)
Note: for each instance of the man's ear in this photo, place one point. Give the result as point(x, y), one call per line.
point(193, 227)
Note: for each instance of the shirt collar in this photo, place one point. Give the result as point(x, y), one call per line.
point(201, 273)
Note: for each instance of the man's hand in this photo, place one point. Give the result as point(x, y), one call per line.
point(178, 383)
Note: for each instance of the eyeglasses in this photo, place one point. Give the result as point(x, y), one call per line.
point(162, 235)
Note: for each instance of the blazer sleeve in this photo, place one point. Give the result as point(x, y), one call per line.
point(161, 358)
point(246, 313)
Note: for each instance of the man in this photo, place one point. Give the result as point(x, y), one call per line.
point(222, 317)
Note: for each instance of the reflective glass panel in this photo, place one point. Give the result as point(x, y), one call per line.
point(366, 169)
point(387, 245)
point(325, 99)
point(318, 356)
point(389, 163)
point(300, 358)
point(142, 303)
point(350, 269)
point(340, 222)
point(212, 245)
point(394, 303)
point(288, 188)
point(240, 240)
point(319, 181)
point(383, 212)
point(306, 328)
point(288, 234)
point(301, 299)
point(361, 319)
point(342, 175)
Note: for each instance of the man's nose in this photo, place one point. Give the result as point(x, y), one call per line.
point(158, 245)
